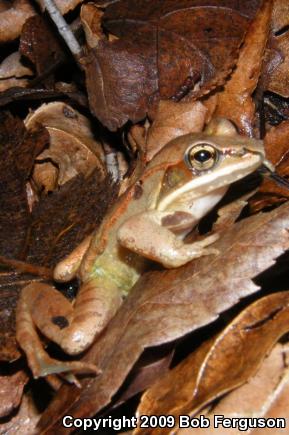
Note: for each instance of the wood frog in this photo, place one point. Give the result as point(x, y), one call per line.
point(182, 183)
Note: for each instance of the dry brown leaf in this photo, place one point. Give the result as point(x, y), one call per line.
point(12, 66)
point(278, 80)
point(235, 102)
point(25, 421)
point(144, 376)
point(41, 45)
point(73, 149)
point(277, 151)
point(166, 50)
point(67, 5)
point(280, 15)
point(164, 306)
point(265, 395)
point(11, 390)
point(173, 120)
point(91, 20)
point(12, 17)
point(220, 364)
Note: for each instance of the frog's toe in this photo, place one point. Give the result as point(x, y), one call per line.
point(44, 366)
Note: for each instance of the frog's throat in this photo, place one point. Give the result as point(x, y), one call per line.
point(214, 179)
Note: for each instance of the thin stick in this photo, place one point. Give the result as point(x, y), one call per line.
point(22, 266)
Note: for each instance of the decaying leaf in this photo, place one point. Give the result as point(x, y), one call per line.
point(73, 149)
point(265, 395)
point(278, 80)
point(143, 376)
point(173, 120)
point(235, 102)
point(91, 20)
point(277, 151)
point(13, 72)
point(40, 45)
point(25, 421)
point(165, 49)
point(12, 17)
point(280, 15)
point(166, 305)
point(220, 364)
point(67, 5)
point(11, 391)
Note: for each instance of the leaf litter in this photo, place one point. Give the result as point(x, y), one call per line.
point(168, 68)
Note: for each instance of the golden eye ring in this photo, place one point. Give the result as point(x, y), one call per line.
point(202, 156)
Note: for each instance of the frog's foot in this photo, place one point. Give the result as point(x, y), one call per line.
point(40, 363)
point(43, 365)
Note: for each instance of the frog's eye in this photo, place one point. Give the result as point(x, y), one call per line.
point(202, 156)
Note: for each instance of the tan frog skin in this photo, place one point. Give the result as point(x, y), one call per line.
point(179, 186)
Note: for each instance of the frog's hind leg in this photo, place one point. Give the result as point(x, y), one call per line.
point(44, 306)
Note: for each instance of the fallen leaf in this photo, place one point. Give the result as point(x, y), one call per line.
point(164, 50)
point(73, 149)
point(91, 20)
point(164, 306)
point(280, 15)
point(65, 6)
point(11, 391)
point(143, 376)
point(278, 80)
point(25, 421)
point(265, 395)
point(12, 17)
point(173, 120)
point(13, 72)
point(39, 44)
point(221, 364)
point(235, 102)
point(277, 151)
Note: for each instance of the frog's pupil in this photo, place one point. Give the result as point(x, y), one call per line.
point(202, 156)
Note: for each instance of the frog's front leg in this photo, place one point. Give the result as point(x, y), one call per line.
point(148, 234)
point(72, 327)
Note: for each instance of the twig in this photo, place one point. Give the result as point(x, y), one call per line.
point(23, 267)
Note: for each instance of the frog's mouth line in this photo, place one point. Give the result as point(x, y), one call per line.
point(207, 182)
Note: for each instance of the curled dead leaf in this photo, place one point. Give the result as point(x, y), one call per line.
point(13, 72)
point(280, 15)
point(235, 102)
point(220, 364)
point(73, 149)
point(12, 17)
point(91, 20)
point(24, 421)
point(265, 395)
point(41, 46)
point(12, 66)
point(278, 80)
point(277, 151)
point(11, 390)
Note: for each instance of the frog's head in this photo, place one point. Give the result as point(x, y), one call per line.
point(198, 164)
